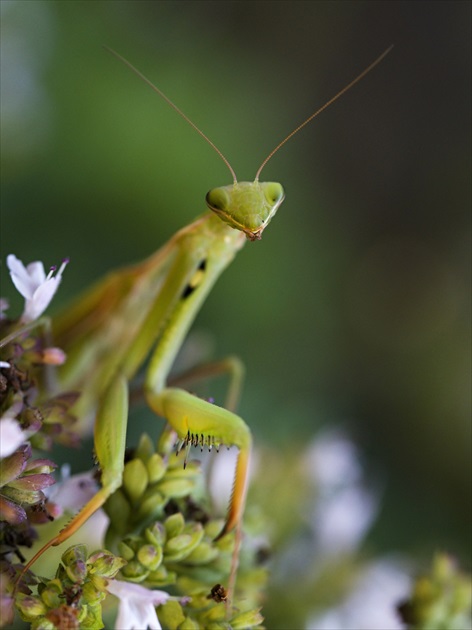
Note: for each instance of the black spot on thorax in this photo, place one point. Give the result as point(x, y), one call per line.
point(195, 280)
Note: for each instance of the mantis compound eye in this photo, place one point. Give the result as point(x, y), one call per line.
point(274, 192)
point(217, 199)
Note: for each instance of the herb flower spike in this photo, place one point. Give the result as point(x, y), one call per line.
point(33, 284)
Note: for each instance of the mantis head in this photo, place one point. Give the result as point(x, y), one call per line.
point(247, 206)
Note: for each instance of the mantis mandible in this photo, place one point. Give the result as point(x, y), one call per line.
point(116, 324)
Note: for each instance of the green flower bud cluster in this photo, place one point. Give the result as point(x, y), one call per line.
point(150, 481)
point(185, 557)
point(73, 599)
point(154, 556)
point(158, 525)
point(174, 616)
point(440, 600)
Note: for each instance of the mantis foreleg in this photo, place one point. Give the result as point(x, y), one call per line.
point(110, 444)
point(231, 365)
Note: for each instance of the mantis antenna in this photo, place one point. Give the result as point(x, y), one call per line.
point(286, 139)
point(174, 107)
point(323, 107)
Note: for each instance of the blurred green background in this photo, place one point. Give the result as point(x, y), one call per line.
point(354, 309)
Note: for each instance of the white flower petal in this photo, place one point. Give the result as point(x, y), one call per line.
point(40, 300)
point(137, 605)
point(372, 604)
point(15, 265)
point(11, 436)
point(341, 521)
point(137, 592)
point(36, 272)
point(72, 492)
point(332, 460)
point(33, 284)
point(20, 277)
point(125, 616)
point(143, 616)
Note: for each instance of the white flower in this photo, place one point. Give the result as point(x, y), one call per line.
point(345, 509)
point(372, 604)
point(33, 284)
point(137, 605)
point(332, 461)
point(341, 522)
point(11, 434)
point(73, 492)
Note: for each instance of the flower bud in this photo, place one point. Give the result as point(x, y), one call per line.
point(174, 525)
point(135, 479)
point(182, 545)
point(51, 594)
point(118, 510)
point(105, 564)
point(151, 506)
point(156, 468)
point(126, 551)
point(156, 534)
point(150, 556)
point(203, 554)
point(247, 619)
point(30, 607)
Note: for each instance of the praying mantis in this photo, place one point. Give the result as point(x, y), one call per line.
point(146, 310)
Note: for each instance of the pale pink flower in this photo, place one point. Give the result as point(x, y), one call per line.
point(70, 494)
point(136, 609)
point(11, 434)
point(35, 286)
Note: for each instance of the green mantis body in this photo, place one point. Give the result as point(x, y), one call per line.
point(125, 323)
point(115, 325)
